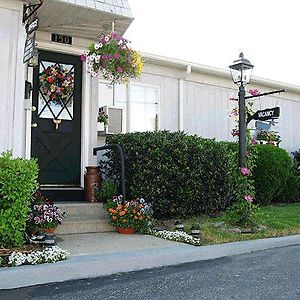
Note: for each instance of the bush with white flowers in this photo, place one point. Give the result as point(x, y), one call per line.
point(177, 236)
point(47, 255)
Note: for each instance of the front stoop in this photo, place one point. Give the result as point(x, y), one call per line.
point(84, 218)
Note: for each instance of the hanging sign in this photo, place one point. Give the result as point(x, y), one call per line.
point(29, 49)
point(30, 9)
point(32, 26)
point(63, 39)
point(266, 114)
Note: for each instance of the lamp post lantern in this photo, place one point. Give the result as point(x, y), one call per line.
point(241, 71)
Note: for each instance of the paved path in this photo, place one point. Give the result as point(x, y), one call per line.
point(150, 253)
point(262, 275)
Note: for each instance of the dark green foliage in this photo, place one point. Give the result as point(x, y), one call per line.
point(18, 181)
point(296, 155)
point(273, 174)
point(107, 190)
point(291, 190)
point(179, 174)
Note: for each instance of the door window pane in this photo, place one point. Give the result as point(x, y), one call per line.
point(55, 101)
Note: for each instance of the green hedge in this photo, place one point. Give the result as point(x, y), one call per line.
point(274, 177)
point(179, 174)
point(18, 181)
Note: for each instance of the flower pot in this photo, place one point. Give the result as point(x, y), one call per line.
point(92, 180)
point(100, 126)
point(123, 230)
point(48, 230)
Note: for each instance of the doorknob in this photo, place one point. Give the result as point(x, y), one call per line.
point(33, 108)
point(34, 125)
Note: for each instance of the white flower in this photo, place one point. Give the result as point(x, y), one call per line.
point(47, 255)
point(94, 74)
point(100, 45)
point(106, 38)
point(97, 46)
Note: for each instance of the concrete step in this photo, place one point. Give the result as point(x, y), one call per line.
point(84, 218)
point(84, 227)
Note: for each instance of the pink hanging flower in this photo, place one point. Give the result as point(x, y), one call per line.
point(249, 198)
point(83, 57)
point(245, 171)
point(120, 69)
point(116, 56)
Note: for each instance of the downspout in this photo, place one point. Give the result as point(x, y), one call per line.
point(181, 98)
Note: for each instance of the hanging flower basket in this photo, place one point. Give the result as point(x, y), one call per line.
point(113, 59)
point(56, 83)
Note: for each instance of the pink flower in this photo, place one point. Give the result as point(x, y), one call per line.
point(116, 56)
point(245, 171)
point(120, 69)
point(234, 132)
point(83, 57)
point(253, 141)
point(254, 92)
point(249, 198)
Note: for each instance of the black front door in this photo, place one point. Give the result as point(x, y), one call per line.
point(56, 120)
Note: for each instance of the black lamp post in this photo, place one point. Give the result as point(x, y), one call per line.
point(241, 71)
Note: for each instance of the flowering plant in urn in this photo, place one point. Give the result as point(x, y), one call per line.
point(44, 214)
point(129, 214)
point(112, 58)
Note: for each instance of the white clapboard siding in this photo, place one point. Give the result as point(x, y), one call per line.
point(206, 109)
point(12, 121)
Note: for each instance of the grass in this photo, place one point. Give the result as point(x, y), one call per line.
point(280, 220)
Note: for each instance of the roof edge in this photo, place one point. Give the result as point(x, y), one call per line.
point(214, 71)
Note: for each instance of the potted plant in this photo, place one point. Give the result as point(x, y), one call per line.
point(102, 120)
point(112, 58)
point(129, 216)
point(44, 215)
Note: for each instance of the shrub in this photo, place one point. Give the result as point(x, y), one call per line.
point(107, 190)
point(273, 175)
point(179, 174)
point(18, 181)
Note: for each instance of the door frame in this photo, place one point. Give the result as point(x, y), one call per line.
point(85, 107)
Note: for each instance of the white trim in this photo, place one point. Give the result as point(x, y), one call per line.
point(13, 5)
point(28, 117)
point(180, 104)
point(60, 48)
point(85, 117)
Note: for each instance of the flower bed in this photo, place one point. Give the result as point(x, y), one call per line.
point(177, 236)
point(45, 255)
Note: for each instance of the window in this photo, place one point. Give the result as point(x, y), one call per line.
point(143, 107)
point(140, 109)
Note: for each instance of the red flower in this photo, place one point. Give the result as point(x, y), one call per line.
point(50, 79)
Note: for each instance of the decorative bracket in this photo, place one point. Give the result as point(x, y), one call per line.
point(30, 9)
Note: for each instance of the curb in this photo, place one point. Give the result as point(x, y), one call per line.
point(90, 266)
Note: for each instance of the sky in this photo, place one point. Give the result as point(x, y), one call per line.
point(214, 32)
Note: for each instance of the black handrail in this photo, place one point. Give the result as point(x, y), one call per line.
point(122, 162)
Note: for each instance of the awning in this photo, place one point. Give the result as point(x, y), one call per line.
point(84, 18)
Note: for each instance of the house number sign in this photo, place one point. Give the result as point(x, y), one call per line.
point(62, 39)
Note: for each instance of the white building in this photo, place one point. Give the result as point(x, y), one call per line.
point(170, 94)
